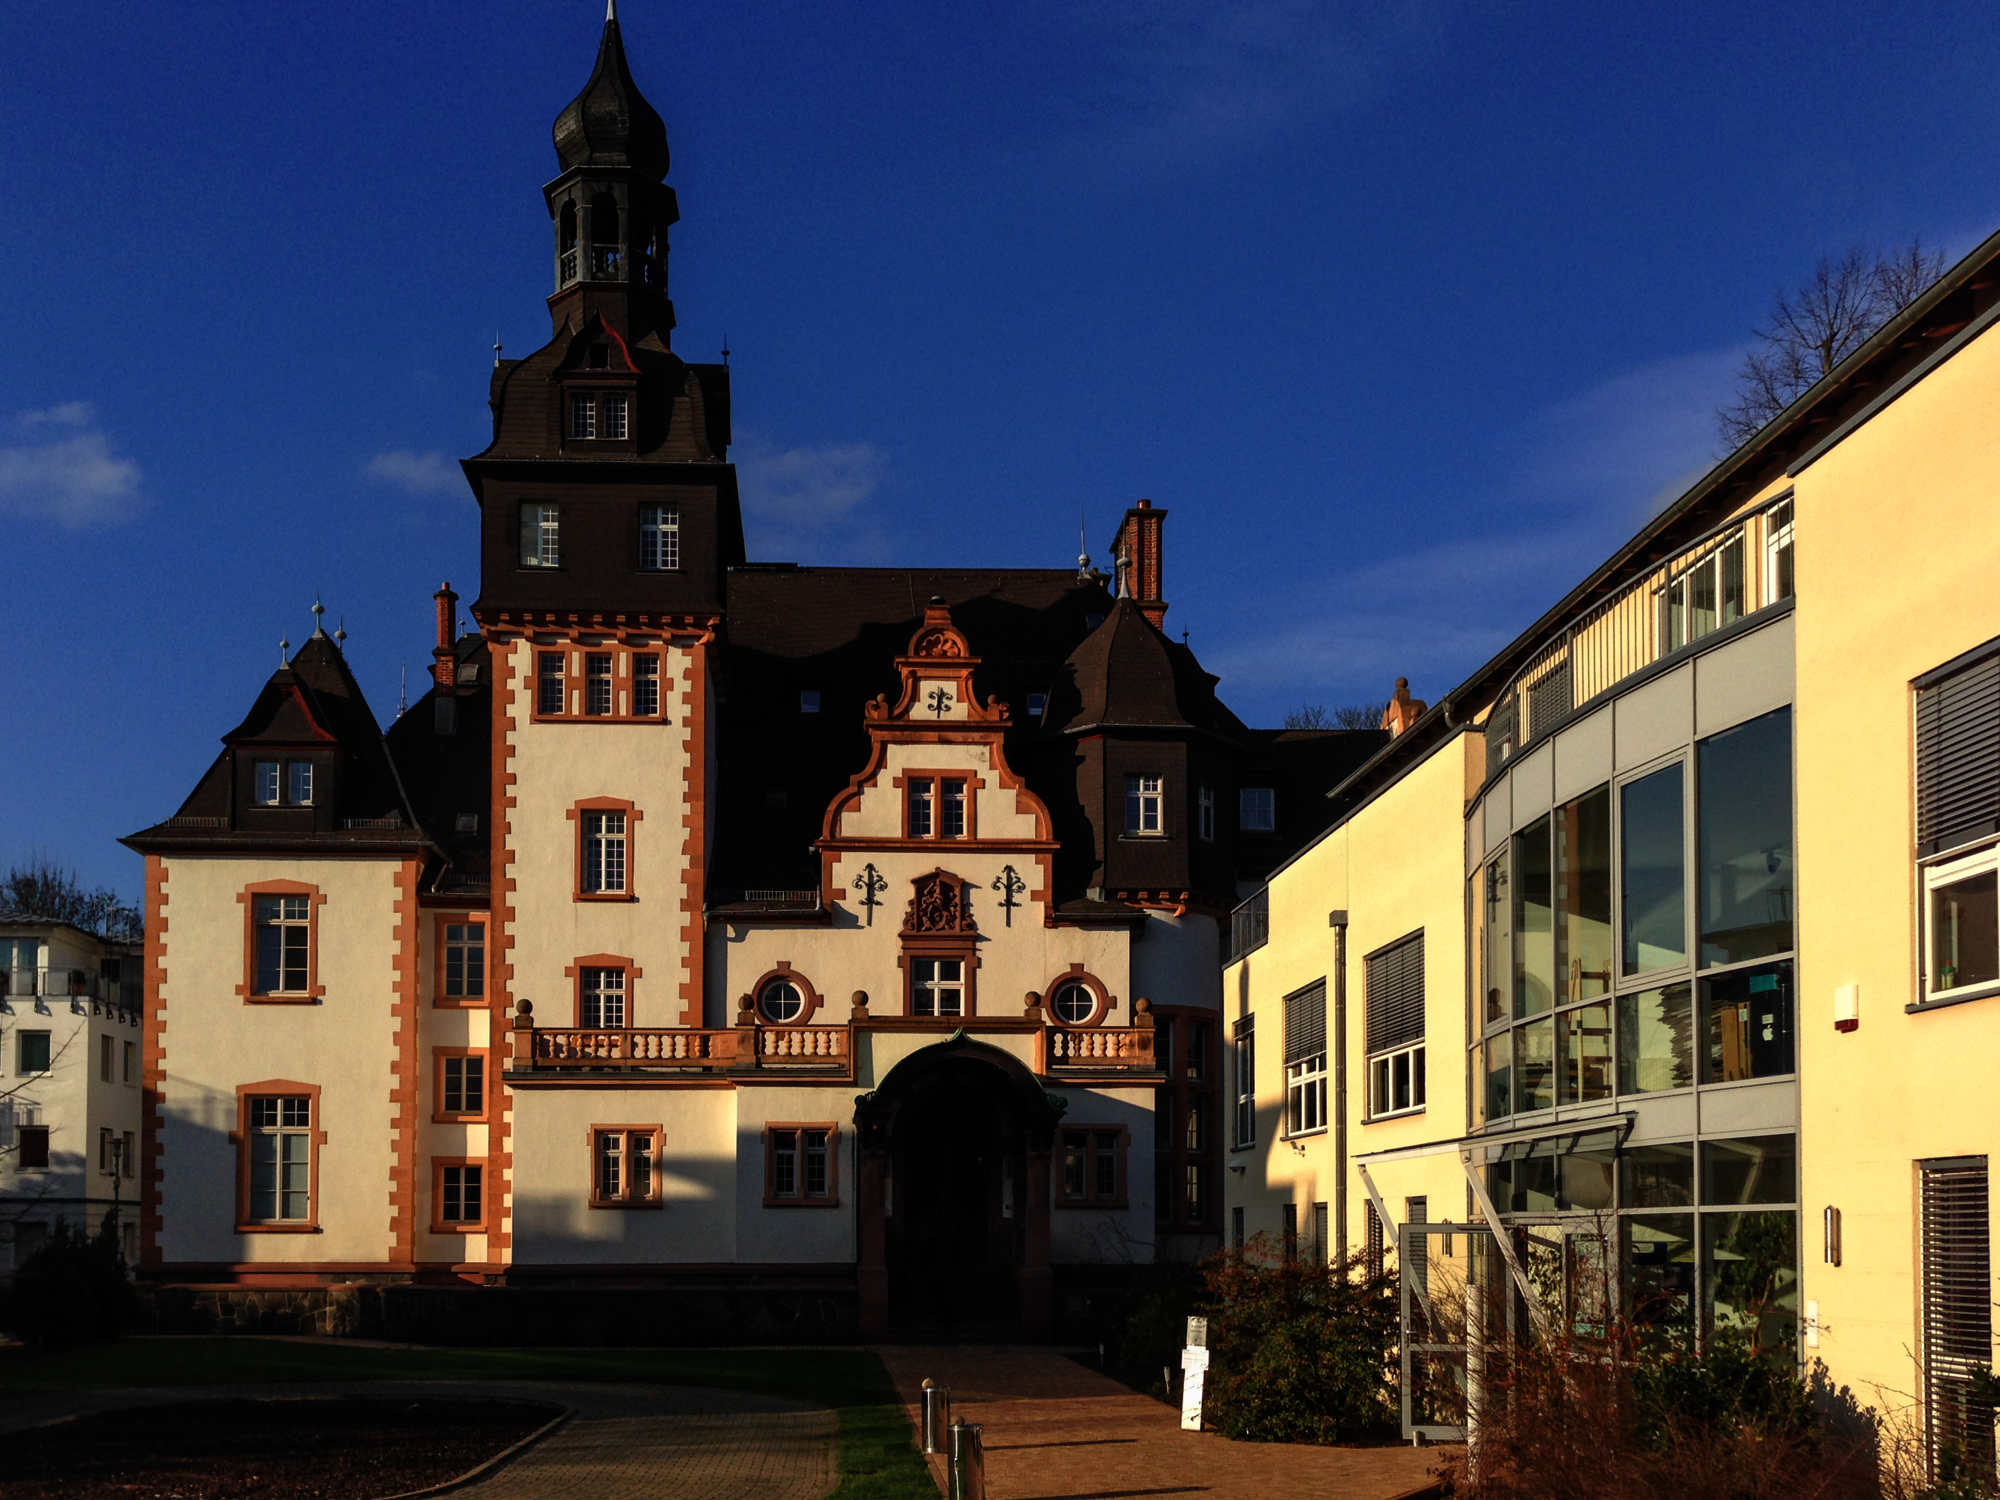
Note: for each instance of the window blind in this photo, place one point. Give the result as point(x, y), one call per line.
point(1395, 983)
point(1958, 751)
point(1305, 1023)
point(1957, 1310)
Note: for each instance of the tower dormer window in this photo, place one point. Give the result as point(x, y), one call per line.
point(269, 781)
point(604, 257)
point(541, 535)
point(614, 417)
point(582, 417)
point(566, 245)
point(299, 783)
point(659, 538)
point(598, 357)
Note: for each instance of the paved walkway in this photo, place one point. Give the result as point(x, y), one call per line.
point(625, 1441)
point(1057, 1431)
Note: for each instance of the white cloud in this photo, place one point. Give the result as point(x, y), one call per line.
point(1583, 476)
point(810, 488)
point(76, 479)
point(420, 473)
point(1197, 79)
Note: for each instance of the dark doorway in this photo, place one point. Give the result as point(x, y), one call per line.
point(954, 1221)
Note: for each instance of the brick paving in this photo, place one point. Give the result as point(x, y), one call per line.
point(1055, 1430)
point(625, 1441)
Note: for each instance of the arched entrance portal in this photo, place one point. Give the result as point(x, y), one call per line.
point(954, 1200)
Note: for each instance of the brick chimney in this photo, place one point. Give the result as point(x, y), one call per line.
point(1402, 710)
point(443, 661)
point(1141, 567)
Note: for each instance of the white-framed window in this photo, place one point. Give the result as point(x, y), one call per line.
point(582, 417)
point(604, 842)
point(1962, 925)
point(645, 686)
point(460, 1194)
point(284, 944)
point(280, 1158)
point(299, 783)
point(614, 418)
point(1246, 1081)
point(622, 1166)
point(1396, 1082)
point(1778, 582)
point(1143, 797)
point(781, 1002)
point(1091, 1166)
point(602, 1000)
point(277, 783)
point(1394, 1027)
point(1074, 1003)
point(659, 538)
point(1256, 809)
point(550, 689)
point(1706, 596)
point(1305, 1059)
point(597, 683)
point(937, 986)
point(801, 1164)
point(269, 778)
point(541, 534)
point(936, 807)
point(1205, 814)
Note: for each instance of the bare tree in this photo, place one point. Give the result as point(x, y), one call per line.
point(1344, 716)
point(1812, 329)
point(43, 891)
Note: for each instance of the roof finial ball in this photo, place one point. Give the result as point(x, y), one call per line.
point(319, 609)
point(284, 653)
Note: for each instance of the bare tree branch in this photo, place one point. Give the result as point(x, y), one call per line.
point(1813, 328)
point(1345, 716)
point(41, 890)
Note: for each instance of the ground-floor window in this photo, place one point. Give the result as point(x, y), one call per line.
point(281, 1140)
point(1091, 1173)
point(623, 1171)
point(1957, 1308)
point(458, 1199)
point(800, 1167)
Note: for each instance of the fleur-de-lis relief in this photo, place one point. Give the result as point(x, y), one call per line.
point(940, 701)
point(871, 885)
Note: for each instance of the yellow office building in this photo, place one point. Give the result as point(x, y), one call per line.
point(1666, 947)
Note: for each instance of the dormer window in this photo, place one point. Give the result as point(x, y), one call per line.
point(277, 783)
point(1038, 704)
point(614, 418)
point(541, 535)
point(582, 418)
point(659, 538)
point(598, 357)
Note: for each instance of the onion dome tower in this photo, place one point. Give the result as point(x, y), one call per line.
point(610, 206)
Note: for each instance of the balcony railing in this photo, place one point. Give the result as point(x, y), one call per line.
point(1250, 925)
point(58, 984)
point(605, 261)
point(1725, 576)
point(563, 1048)
point(806, 1043)
point(1101, 1047)
point(791, 900)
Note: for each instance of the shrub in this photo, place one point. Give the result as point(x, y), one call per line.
point(1299, 1353)
point(72, 1290)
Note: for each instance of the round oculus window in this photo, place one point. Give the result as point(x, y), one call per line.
point(1075, 1004)
point(781, 1001)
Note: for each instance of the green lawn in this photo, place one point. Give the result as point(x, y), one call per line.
point(878, 1458)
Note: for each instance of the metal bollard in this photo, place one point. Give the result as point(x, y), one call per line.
point(968, 1462)
point(936, 1416)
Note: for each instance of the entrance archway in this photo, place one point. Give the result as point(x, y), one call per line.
point(954, 1200)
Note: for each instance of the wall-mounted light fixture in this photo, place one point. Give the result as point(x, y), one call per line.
point(1831, 1230)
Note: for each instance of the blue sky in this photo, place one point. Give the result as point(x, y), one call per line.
point(1407, 311)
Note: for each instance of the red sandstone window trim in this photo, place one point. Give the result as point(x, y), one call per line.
point(798, 1197)
point(1077, 974)
point(441, 1225)
point(626, 1156)
point(240, 1138)
point(785, 972)
point(968, 779)
point(574, 972)
point(442, 1116)
point(314, 990)
point(579, 815)
point(439, 999)
point(576, 681)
